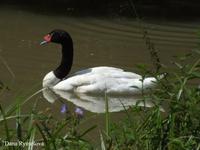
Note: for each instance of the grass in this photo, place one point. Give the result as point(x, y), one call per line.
point(43, 129)
point(177, 128)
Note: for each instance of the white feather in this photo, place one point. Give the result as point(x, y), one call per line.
point(50, 80)
point(99, 80)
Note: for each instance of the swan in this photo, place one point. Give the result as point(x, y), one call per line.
point(95, 80)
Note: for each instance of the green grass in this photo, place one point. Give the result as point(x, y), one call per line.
point(176, 129)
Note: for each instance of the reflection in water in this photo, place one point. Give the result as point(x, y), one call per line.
point(96, 103)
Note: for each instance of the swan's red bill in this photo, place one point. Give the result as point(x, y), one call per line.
point(47, 39)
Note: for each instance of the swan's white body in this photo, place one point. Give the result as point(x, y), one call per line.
point(100, 80)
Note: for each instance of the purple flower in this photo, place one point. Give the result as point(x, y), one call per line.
point(79, 112)
point(64, 108)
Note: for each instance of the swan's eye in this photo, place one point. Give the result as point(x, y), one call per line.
point(55, 37)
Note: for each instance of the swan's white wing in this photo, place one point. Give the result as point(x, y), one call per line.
point(111, 71)
point(105, 79)
point(98, 70)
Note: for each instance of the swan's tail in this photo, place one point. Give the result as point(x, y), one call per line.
point(161, 76)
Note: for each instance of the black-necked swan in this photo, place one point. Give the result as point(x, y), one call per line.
point(93, 80)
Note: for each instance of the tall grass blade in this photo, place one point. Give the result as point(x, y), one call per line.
point(107, 115)
point(5, 124)
point(18, 123)
point(103, 145)
point(34, 94)
point(186, 79)
point(198, 148)
point(52, 138)
point(31, 140)
point(32, 116)
point(42, 134)
point(13, 117)
point(59, 129)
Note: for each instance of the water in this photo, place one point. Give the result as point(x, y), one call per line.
point(98, 41)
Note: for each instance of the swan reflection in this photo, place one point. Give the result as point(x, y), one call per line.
point(96, 103)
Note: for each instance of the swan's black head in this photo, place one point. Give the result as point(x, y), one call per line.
point(56, 36)
point(63, 38)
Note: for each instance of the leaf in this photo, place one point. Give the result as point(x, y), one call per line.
point(31, 140)
point(141, 66)
point(196, 74)
point(42, 133)
point(50, 136)
point(5, 123)
point(178, 65)
point(103, 145)
point(18, 123)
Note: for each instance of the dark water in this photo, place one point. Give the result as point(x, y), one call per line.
point(98, 41)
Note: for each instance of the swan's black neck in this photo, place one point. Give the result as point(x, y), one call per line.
point(67, 59)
